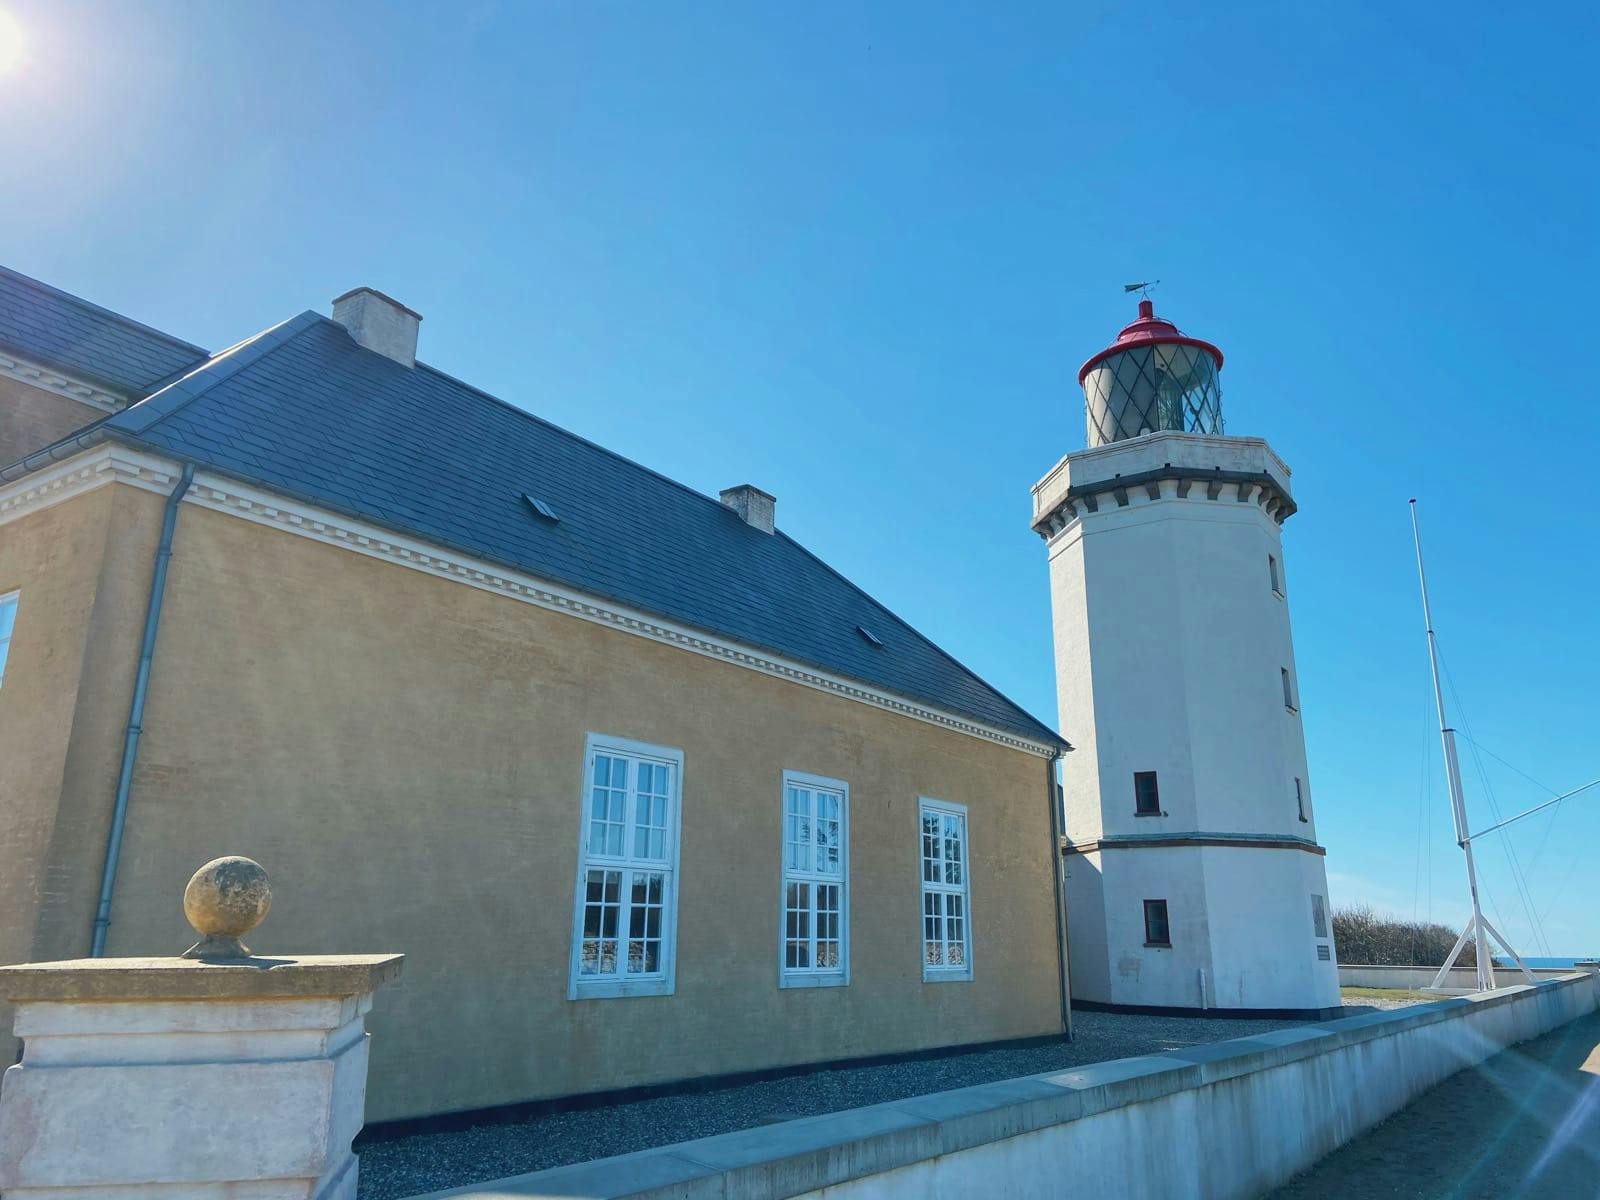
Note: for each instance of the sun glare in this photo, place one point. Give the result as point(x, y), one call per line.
point(10, 43)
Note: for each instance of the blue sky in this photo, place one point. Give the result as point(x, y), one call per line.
point(855, 254)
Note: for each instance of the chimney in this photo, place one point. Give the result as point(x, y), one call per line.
point(753, 505)
point(379, 323)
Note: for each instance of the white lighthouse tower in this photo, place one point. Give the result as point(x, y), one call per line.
point(1194, 877)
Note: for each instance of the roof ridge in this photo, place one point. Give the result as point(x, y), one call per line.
point(137, 418)
point(91, 306)
point(577, 437)
point(917, 633)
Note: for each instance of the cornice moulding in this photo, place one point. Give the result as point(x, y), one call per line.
point(114, 463)
point(62, 384)
point(105, 464)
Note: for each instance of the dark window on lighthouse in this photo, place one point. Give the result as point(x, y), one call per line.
point(1272, 572)
point(1288, 690)
point(1146, 796)
point(1155, 923)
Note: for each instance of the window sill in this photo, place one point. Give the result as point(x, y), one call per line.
point(1158, 945)
point(1277, 593)
point(612, 989)
point(1291, 709)
point(964, 976)
point(1157, 813)
point(1305, 820)
point(786, 980)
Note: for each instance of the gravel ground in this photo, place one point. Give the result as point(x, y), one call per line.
point(1360, 1004)
point(429, 1161)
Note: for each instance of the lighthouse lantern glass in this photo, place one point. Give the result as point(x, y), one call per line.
point(1150, 387)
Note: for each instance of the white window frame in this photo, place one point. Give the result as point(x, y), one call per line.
point(663, 983)
point(813, 977)
point(14, 599)
point(944, 974)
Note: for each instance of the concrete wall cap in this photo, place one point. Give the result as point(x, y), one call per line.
point(87, 980)
point(803, 1157)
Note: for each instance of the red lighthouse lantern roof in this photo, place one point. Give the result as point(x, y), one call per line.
point(1148, 330)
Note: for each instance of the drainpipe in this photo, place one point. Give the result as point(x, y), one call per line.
point(1053, 798)
point(130, 739)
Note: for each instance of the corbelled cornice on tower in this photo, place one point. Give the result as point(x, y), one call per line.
point(1162, 466)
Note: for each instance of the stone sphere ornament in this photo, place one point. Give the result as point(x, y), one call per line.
point(225, 899)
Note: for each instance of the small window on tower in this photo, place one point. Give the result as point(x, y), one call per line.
point(1300, 798)
point(1146, 795)
point(1155, 923)
point(1319, 915)
point(1288, 689)
point(1277, 579)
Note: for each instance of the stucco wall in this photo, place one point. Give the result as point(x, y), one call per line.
point(31, 417)
point(1169, 642)
point(404, 754)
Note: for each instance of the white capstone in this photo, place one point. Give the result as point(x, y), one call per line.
point(255, 1091)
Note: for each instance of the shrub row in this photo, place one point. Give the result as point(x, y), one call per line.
point(1365, 936)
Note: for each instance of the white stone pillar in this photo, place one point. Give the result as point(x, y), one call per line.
point(187, 1078)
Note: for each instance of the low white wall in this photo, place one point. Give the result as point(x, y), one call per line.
point(1231, 1119)
point(1420, 977)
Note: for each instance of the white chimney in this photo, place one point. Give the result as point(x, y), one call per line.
point(754, 506)
point(379, 323)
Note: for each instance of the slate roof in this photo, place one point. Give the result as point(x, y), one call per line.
point(303, 410)
point(56, 329)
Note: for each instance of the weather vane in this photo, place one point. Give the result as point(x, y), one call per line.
point(1142, 288)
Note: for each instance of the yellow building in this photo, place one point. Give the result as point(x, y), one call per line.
point(645, 792)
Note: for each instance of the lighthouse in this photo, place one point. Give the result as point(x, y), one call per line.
point(1194, 879)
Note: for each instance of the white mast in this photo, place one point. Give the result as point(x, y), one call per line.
point(1478, 927)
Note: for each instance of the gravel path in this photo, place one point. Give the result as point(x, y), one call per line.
point(428, 1161)
point(1525, 1123)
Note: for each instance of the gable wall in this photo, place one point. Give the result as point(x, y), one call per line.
point(83, 569)
point(32, 418)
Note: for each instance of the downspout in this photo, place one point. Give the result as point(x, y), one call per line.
point(1053, 798)
point(130, 739)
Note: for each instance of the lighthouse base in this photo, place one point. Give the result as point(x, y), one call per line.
point(1259, 1014)
point(1246, 929)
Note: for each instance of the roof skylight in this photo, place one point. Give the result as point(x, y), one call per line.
point(541, 509)
point(870, 636)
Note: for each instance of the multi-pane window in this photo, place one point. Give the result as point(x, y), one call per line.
point(623, 926)
point(1275, 574)
point(1155, 924)
point(1288, 689)
point(814, 945)
point(1319, 915)
point(946, 911)
point(8, 616)
point(1146, 795)
point(1300, 798)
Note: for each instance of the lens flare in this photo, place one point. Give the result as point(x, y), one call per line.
point(11, 47)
